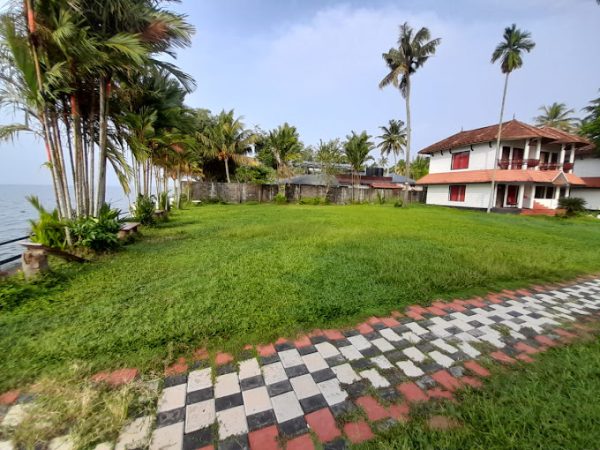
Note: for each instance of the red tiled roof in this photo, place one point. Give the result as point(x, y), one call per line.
point(502, 176)
point(511, 130)
point(591, 182)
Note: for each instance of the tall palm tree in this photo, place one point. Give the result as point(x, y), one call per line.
point(418, 169)
point(510, 54)
point(414, 49)
point(556, 115)
point(393, 139)
point(356, 149)
point(285, 145)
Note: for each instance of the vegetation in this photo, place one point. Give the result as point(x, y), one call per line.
point(216, 285)
point(510, 54)
point(572, 205)
point(356, 149)
point(414, 49)
point(556, 115)
point(590, 126)
point(97, 233)
point(393, 139)
point(143, 210)
point(419, 167)
point(541, 405)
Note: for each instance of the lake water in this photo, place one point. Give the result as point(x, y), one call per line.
point(15, 211)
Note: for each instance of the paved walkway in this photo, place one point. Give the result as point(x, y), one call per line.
point(336, 386)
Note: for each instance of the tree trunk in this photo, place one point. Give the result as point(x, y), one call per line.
point(496, 153)
point(103, 123)
point(227, 168)
point(78, 153)
point(408, 138)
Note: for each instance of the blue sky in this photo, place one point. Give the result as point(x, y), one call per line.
point(316, 64)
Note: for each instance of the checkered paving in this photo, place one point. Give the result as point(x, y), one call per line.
point(334, 372)
point(286, 390)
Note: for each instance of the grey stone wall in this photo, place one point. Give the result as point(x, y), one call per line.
point(245, 192)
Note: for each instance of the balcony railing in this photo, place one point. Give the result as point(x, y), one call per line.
point(515, 164)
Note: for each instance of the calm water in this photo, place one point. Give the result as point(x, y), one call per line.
point(15, 211)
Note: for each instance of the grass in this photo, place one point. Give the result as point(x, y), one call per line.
point(550, 404)
point(224, 276)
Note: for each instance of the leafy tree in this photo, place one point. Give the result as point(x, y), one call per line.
point(414, 49)
point(330, 157)
point(556, 115)
point(590, 126)
point(392, 139)
point(418, 169)
point(356, 149)
point(284, 144)
point(510, 54)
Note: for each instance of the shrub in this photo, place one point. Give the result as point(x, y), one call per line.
point(143, 210)
point(314, 201)
point(254, 174)
point(572, 205)
point(48, 230)
point(97, 233)
point(280, 199)
point(380, 198)
point(163, 201)
point(398, 203)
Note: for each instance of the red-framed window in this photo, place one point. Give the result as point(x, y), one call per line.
point(460, 160)
point(457, 192)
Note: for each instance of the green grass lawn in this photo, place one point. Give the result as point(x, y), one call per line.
point(551, 404)
point(225, 275)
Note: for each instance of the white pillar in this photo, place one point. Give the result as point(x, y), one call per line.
point(520, 196)
point(525, 154)
point(556, 195)
point(538, 150)
point(561, 159)
point(572, 157)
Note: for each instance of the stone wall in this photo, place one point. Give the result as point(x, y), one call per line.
point(245, 192)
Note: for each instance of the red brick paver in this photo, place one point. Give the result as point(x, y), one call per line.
point(412, 392)
point(358, 432)
point(477, 369)
point(264, 439)
point(444, 378)
point(9, 397)
point(545, 340)
point(373, 409)
point(223, 358)
point(502, 357)
point(303, 442)
point(323, 424)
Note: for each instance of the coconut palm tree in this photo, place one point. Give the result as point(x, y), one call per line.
point(357, 148)
point(414, 49)
point(418, 169)
point(285, 145)
point(590, 125)
point(556, 115)
point(510, 54)
point(393, 139)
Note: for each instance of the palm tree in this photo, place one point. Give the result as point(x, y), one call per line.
point(414, 49)
point(418, 169)
point(393, 139)
point(590, 125)
point(509, 52)
point(285, 145)
point(356, 149)
point(556, 115)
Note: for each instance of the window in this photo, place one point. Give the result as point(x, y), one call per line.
point(550, 192)
point(460, 161)
point(457, 192)
point(540, 191)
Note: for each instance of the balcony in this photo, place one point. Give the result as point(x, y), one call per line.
point(514, 164)
point(550, 166)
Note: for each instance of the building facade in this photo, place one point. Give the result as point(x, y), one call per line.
point(535, 167)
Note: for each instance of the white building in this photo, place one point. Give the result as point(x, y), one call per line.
point(587, 167)
point(535, 168)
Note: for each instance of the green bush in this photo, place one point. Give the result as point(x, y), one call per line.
point(163, 201)
point(97, 233)
point(143, 210)
point(255, 174)
point(572, 205)
point(314, 201)
point(48, 230)
point(398, 203)
point(280, 199)
point(380, 198)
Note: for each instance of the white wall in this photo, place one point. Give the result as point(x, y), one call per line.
point(588, 167)
point(476, 195)
point(481, 157)
point(591, 196)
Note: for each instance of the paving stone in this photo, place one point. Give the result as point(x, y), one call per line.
point(409, 368)
point(457, 371)
point(372, 408)
point(286, 407)
point(358, 432)
point(252, 382)
point(375, 378)
point(199, 396)
point(167, 438)
point(232, 422)
point(249, 368)
point(279, 388)
point(170, 417)
point(441, 359)
point(323, 375)
point(6, 445)
point(293, 427)
point(296, 371)
point(358, 388)
point(198, 439)
point(412, 392)
point(327, 350)
point(360, 342)
point(307, 350)
point(345, 373)
point(135, 435)
point(304, 386)
point(444, 346)
point(274, 373)
point(303, 442)
point(256, 400)
point(229, 401)
point(62, 443)
point(238, 442)
point(332, 391)
point(15, 415)
point(314, 362)
point(290, 358)
point(335, 360)
point(226, 385)
point(414, 353)
point(390, 335)
point(261, 420)
point(200, 415)
point(313, 403)
point(383, 345)
point(172, 398)
point(264, 439)
point(382, 362)
point(426, 382)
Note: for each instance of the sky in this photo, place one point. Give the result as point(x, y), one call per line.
point(317, 64)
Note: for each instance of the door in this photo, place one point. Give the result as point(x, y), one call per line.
point(500, 195)
point(512, 195)
point(517, 158)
